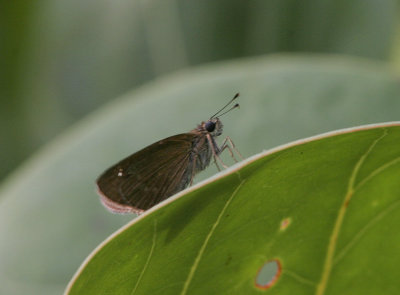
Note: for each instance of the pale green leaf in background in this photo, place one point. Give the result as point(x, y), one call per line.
point(62, 59)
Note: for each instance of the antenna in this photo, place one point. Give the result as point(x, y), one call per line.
point(235, 106)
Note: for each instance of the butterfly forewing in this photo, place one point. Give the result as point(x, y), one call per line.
point(149, 176)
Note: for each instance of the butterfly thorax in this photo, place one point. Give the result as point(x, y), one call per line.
point(204, 145)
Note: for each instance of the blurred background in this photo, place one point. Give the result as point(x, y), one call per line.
point(85, 83)
point(62, 59)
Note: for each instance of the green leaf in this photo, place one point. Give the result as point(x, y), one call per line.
point(50, 215)
point(325, 208)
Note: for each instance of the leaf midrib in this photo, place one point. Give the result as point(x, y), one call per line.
point(330, 254)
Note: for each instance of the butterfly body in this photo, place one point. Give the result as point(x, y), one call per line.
point(140, 181)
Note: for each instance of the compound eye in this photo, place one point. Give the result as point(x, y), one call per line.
point(210, 126)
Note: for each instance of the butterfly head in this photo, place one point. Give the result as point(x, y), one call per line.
point(213, 126)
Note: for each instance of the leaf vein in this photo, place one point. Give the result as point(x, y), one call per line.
point(377, 171)
point(298, 277)
point(205, 243)
point(362, 231)
point(148, 258)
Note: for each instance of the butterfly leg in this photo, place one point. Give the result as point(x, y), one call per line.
point(216, 164)
point(225, 146)
point(228, 144)
point(215, 154)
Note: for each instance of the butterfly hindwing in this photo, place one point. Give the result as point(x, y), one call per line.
point(149, 176)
